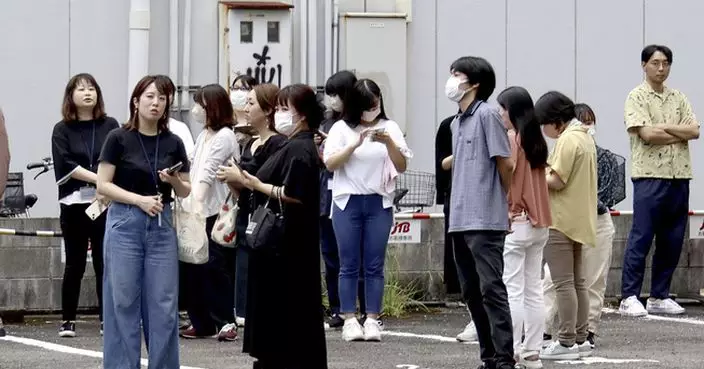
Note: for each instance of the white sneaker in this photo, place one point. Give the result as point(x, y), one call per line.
point(666, 306)
point(586, 349)
point(529, 364)
point(469, 334)
point(555, 351)
point(632, 307)
point(352, 330)
point(239, 321)
point(372, 330)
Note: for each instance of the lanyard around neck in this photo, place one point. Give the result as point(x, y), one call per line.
point(91, 149)
point(149, 162)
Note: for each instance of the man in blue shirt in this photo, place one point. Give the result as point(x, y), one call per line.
point(481, 175)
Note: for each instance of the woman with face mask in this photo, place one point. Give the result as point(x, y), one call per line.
point(210, 286)
point(366, 151)
point(337, 88)
point(241, 86)
point(596, 260)
point(260, 111)
point(572, 181)
point(529, 211)
point(75, 146)
point(289, 278)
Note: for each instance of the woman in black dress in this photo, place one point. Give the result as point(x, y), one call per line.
point(259, 112)
point(289, 280)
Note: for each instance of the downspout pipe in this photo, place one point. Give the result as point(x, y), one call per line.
point(186, 66)
point(138, 59)
point(173, 48)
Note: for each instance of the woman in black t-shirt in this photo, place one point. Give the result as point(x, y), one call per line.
point(75, 147)
point(259, 112)
point(141, 252)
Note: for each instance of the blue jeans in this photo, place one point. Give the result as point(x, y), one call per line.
point(331, 258)
point(660, 210)
point(140, 282)
point(362, 233)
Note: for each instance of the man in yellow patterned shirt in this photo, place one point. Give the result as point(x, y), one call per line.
point(660, 122)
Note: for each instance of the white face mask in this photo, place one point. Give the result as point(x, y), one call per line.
point(370, 115)
point(238, 98)
point(452, 88)
point(198, 114)
point(335, 103)
point(283, 122)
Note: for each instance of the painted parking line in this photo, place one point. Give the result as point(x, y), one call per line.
point(660, 317)
point(603, 360)
point(67, 349)
point(433, 337)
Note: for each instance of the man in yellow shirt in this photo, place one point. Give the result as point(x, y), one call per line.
point(660, 122)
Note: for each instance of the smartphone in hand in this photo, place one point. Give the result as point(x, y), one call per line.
point(174, 168)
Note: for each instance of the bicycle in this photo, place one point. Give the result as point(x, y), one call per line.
point(15, 203)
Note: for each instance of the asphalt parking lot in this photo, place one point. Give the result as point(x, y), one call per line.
point(420, 341)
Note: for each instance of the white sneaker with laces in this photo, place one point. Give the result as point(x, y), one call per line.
point(469, 334)
point(556, 351)
point(352, 330)
point(666, 306)
point(372, 330)
point(632, 307)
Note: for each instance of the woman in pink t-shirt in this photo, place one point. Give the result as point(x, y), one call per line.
point(529, 211)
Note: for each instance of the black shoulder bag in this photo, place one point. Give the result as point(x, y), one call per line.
point(265, 229)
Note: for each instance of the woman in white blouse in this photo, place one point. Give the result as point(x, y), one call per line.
point(366, 151)
point(210, 287)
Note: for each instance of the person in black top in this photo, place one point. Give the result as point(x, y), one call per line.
point(443, 179)
point(259, 112)
point(75, 147)
point(140, 164)
point(288, 279)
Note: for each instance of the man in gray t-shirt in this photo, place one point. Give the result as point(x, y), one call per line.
point(481, 174)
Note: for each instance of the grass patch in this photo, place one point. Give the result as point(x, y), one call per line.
point(399, 297)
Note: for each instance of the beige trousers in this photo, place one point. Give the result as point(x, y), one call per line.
point(564, 259)
point(596, 262)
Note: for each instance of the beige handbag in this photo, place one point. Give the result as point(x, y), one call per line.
point(190, 232)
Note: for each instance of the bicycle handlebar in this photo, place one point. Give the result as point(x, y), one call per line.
point(31, 166)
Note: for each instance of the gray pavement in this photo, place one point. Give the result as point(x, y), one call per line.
point(420, 341)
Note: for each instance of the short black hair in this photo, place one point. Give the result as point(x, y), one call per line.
point(478, 71)
point(584, 113)
point(649, 50)
point(554, 108)
point(360, 99)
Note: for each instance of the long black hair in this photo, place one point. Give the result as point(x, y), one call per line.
point(519, 105)
point(360, 99)
point(340, 84)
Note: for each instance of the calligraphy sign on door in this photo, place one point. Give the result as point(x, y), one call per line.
point(260, 45)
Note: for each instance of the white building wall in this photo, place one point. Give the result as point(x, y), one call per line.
point(588, 49)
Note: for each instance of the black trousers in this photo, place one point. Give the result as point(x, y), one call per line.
point(480, 266)
point(210, 287)
point(452, 283)
point(78, 230)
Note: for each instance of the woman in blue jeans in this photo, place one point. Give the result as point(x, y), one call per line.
point(140, 280)
point(365, 151)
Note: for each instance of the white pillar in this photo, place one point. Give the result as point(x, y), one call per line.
point(138, 63)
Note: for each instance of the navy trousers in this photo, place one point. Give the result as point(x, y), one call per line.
point(660, 210)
